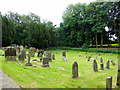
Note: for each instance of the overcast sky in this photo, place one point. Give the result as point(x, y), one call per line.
point(51, 10)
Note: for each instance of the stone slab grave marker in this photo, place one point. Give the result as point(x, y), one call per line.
point(108, 64)
point(74, 70)
point(45, 62)
point(64, 53)
point(32, 52)
point(10, 54)
point(95, 67)
point(109, 83)
point(22, 55)
point(28, 64)
point(48, 55)
point(118, 77)
point(101, 66)
point(113, 63)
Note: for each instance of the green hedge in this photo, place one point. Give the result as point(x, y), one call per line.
point(89, 50)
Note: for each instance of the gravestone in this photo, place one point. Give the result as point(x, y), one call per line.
point(48, 55)
point(109, 83)
point(101, 60)
point(53, 56)
point(32, 52)
point(118, 77)
point(101, 66)
point(108, 64)
point(113, 63)
point(45, 62)
point(74, 70)
point(64, 53)
point(95, 67)
point(10, 54)
point(28, 64)
point(23, 52)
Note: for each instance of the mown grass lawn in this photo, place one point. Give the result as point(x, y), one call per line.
point(59, 74)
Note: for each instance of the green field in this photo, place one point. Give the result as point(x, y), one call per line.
point(59, 74)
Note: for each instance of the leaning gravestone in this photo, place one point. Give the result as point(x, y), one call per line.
point(32, 52)
point(113, 63)
point(118, 77)
point(64, 53)
point(45, 62)
point(74, 70)
point(95, 67)
point(10, 54)
point(108, 64)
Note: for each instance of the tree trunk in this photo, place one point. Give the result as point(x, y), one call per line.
point(101, 39)
point(96, 40)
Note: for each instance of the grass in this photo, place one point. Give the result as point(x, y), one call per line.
point(56, 77)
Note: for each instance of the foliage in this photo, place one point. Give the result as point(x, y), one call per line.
point(27, 30)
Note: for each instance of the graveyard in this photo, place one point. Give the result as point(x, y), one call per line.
point(59, 72)
point(76, 47)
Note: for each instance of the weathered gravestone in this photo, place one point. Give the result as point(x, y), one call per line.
point(108, 64)
point(48, 55)
point(118, 77)
point(10, 54)
point(95, 67)
point(64, 53)
point(109, 83)
point(28, 64)
point(32, 52)
point(74, 70)
point(22, 55)
point(45, 62)
point(101, 66)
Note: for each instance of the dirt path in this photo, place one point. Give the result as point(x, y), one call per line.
point(6, 82)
